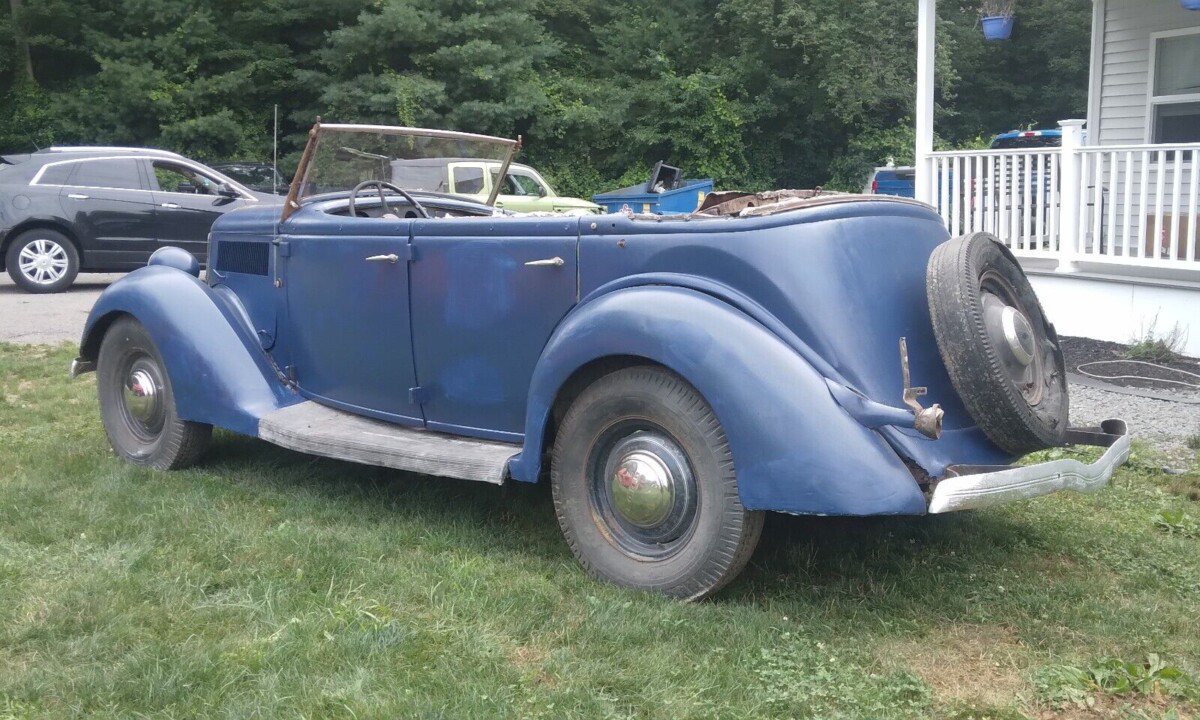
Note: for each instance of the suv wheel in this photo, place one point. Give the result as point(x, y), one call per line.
point(42, 261)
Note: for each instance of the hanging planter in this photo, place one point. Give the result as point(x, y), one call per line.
point(1190, 4)
point(997, 19)
point(1000, 27)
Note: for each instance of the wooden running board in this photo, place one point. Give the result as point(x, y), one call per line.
point(316, 429)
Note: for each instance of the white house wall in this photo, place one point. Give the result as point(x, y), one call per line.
point(1125, 52)
point(1117, 311)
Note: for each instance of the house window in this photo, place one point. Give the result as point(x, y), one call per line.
point(1175, 87)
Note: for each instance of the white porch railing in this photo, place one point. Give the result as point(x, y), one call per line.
point(1127, 205)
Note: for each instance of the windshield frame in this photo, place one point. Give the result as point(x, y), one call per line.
point(293, 202)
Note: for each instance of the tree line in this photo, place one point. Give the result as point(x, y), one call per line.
point(753, 93)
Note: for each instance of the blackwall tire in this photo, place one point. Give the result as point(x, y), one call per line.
point(42, 261)
point(1001, 353)
point(625, 438)
point(137, 403)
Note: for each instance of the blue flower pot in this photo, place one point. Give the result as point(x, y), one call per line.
point(1190, 4)
point(1000, 27)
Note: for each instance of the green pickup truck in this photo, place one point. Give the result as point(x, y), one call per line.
point(521, 190)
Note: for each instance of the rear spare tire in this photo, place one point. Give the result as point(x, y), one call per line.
point(1001, 353)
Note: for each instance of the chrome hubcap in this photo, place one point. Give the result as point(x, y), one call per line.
point(141, 396)
point(643, 489)
point(1013, 336)
point(43, 261)
point(1018, 334)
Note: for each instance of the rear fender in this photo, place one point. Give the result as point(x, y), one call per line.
point(794, 448)
point(218, 372)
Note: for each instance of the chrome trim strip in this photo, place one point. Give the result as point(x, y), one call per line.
point(79, 366)
point(972, 492)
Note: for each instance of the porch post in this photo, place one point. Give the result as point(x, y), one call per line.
point(926, 39)
point(1069, 199)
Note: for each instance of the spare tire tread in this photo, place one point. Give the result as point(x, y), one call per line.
point(974, 366)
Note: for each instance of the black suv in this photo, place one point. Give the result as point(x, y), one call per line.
point(105, 209)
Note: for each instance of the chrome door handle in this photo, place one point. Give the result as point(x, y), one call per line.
point(77, 196)
point(548, 262)
point(389, 258)
point(172, 206)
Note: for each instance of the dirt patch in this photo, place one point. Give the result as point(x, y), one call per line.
point(968, 663)
point(1116, 367)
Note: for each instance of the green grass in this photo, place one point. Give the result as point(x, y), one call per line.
point(268, 584)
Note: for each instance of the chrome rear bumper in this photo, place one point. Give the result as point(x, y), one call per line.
point(967, 487)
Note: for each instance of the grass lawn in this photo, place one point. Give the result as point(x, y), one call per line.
point(269, 584)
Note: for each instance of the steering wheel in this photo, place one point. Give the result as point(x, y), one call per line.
point(381, 185)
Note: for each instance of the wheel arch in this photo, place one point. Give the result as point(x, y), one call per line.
point(219, 373)
point(796, 450)
point(579, 380)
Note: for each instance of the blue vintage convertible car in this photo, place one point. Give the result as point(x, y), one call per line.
point(673, 377)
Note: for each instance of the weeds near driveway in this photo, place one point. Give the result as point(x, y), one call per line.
point(268, 584)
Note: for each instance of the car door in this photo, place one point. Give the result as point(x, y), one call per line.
point(186, 203)
point(521, 191)
point(110, 207)
point(486, 295)
point(347, 339)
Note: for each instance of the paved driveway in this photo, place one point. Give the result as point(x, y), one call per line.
point(55, 318)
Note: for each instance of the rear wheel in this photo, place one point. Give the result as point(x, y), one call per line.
point(645, 489)
point(137, 404)
point(42, 261)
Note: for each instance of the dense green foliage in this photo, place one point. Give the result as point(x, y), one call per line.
point(755, 93)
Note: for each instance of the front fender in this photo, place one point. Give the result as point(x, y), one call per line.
point(218, 372)
point(794, 448)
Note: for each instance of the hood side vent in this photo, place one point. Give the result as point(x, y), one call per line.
point(241, 256)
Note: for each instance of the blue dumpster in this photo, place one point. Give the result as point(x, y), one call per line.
point(683, 199)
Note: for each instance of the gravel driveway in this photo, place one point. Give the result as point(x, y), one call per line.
point(48, 319)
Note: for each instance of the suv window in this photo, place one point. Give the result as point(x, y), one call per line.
point(118, 174)
point(56, 174)
point(182, 179)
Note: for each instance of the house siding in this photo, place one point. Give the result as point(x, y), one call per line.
point(1125, 65)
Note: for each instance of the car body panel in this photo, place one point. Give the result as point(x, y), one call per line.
point(482, 314)
point(334, 295)
point(217, 371)
point(793, 448)
point(788, 324)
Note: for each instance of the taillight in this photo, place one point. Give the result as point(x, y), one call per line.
point(875, 187)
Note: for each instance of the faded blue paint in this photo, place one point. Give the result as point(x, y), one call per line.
point(794, 448)
point(217, 371)
point(767, 317)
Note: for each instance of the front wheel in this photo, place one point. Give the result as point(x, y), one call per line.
point(645, 489)
point(137, 404)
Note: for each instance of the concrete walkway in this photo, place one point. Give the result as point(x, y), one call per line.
point(48, 319)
